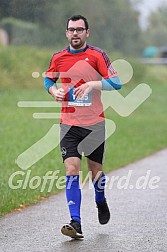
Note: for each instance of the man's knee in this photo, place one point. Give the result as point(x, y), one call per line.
point(72, 166)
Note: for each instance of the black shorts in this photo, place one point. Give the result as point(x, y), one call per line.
point(90, 140)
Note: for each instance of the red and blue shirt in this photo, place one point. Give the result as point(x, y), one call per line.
point(75, 68)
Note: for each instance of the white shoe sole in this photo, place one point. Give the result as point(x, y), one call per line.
point(68, 230)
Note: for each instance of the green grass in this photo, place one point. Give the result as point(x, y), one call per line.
point(141, 134)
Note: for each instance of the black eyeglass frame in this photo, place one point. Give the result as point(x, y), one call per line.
point(79, 30)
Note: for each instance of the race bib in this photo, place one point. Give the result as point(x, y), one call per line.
point(81, 101)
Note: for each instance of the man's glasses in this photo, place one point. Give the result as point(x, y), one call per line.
point(79, 30)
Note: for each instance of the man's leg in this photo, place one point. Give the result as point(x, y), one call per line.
point(98, 179)
point(73, 195)
point(73, 192)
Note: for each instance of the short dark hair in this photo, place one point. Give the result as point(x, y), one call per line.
point(78, 17)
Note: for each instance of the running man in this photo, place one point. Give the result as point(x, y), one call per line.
point(84, 71)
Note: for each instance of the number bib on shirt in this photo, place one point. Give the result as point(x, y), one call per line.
point(81, 101)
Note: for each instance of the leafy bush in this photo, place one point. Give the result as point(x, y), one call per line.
point(21, 32)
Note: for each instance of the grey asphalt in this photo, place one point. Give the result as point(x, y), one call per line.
point(138, 216)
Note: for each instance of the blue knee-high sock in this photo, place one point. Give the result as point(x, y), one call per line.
point(73, 195)
point(99, 186)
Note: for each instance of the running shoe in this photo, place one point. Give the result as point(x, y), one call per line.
point(103, 212)
point(73, 230)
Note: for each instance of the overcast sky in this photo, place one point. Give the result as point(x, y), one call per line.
point(146, 7)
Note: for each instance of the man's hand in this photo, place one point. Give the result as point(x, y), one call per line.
point(82, 90)
point(85, 88)
point(58, 94)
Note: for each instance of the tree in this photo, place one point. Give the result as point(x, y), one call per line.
point(114, 24)
point(26, 10)
point(156, 33)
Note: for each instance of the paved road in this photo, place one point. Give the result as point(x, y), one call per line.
point(138, 216)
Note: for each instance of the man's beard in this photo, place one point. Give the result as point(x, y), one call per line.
point(76, 44)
